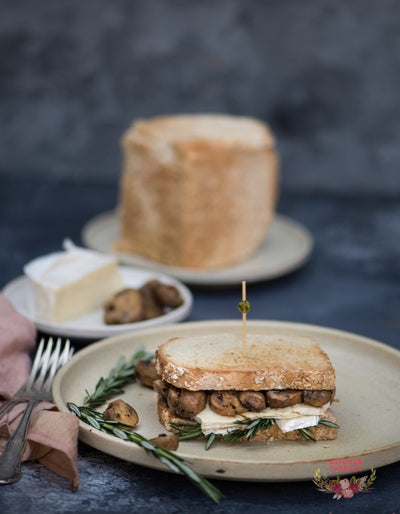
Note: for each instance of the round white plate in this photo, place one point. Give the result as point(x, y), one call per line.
point(92, 326)
point(287, 247)
point(367, 389)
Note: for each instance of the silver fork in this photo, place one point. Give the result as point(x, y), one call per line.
point(37, 388)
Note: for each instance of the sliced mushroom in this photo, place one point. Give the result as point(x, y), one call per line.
point(121, 411)
point(284, 398)
point(167, 295)
point(146, 372)
point(318, 398)
point(226, 403)
point(126, 306)
point(168, 442)
point(152, 308)
point(161, 388)
point(186, 403)
point(173, 394)
point(254, 401)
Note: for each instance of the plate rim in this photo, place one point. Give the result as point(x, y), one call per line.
point(387, 451)
point(213, 277)
point(68, 330)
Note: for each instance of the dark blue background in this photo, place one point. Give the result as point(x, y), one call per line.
point(324, 73)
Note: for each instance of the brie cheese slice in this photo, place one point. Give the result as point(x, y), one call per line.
point(287, 418)
point(72, 283)
point(290, 424)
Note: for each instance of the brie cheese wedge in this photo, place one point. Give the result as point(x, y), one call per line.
point(70, 284)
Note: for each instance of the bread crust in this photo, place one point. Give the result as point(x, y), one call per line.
point(274, 433)
point(197, 191)
point(218, 362)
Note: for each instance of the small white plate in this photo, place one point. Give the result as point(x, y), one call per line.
point(287, 246)
point(92, 326)
point(366, 406)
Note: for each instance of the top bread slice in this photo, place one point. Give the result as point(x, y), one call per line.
point(222, 362)
point(234, 131)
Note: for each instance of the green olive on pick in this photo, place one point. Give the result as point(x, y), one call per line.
point(244, 306)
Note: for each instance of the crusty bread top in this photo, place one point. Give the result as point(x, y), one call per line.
point(218, 362)
point(237, 131)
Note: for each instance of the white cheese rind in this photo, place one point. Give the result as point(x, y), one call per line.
point(73, 283)
point(288, 425)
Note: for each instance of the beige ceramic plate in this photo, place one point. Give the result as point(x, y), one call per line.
point(368, 389)
point(287, 247)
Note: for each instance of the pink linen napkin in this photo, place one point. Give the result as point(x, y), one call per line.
point(52, 437)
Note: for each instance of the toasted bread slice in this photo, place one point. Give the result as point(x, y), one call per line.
point(219, 362)
point(320, 433)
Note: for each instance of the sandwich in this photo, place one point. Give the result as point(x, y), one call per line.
point(277, 387)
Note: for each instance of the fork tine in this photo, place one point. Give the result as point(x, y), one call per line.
point(44, 366)
point(67, 353)
point(56, 361)
point(55, 356)
point(38, 356)
point(36, 364)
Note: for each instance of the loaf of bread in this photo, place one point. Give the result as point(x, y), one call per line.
point(197, 191)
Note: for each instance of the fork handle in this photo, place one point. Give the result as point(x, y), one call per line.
point(7, 406)
point(10, 460)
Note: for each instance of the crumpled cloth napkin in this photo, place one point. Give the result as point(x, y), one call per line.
point(52, 437)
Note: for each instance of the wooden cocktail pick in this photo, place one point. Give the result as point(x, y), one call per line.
point(244, 307)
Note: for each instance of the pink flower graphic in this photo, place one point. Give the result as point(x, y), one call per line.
point(354, 487)
point(347, 493)
point(344, 483)
point(344, 488)
point(337, 487)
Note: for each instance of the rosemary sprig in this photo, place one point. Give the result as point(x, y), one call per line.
point(122, 431)
point(248, 430)
point(328, 423)
point(188, 430)
point(307, 435)
point(106, 388)
point(122, 374)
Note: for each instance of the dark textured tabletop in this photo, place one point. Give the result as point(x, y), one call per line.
point(351, 282)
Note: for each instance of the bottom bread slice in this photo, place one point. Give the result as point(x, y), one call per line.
point(274, 433)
